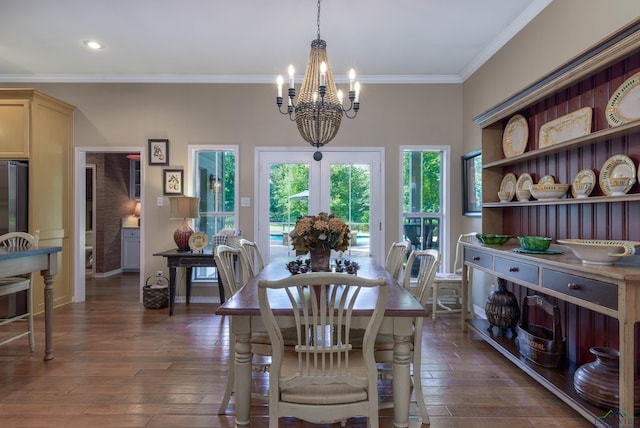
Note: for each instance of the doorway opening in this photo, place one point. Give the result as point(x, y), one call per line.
point(83, 222)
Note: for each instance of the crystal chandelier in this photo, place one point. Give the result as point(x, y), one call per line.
point(318, 110)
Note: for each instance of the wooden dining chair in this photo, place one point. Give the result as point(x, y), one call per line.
point(16, 284)
point(427, 262)
point(395, 258)
point(447, 286)
point(323, 379)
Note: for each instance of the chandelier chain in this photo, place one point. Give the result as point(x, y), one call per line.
point(318, 20)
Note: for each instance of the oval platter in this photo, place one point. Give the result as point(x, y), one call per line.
point(624, 104)
point(515, 136)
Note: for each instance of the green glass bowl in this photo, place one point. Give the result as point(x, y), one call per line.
point(492, 238)
point(534, 243)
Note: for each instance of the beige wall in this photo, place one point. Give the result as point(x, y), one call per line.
point(392, 115)
point(117, 115)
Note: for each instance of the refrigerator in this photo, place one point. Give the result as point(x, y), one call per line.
point(14, 197)
point(14, 215)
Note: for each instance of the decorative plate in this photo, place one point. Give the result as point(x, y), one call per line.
point(564, 128)
point(616, 166)
point(515, 136)
point(523, 183)
point(548, 251)
point(584, 176)
point(547, 179)
point(509, 185)
point(198, 241)
point(624, 104)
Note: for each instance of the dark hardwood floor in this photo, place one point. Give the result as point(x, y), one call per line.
point(118, 364)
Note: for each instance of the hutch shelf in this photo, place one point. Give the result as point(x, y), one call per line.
point(606, 315)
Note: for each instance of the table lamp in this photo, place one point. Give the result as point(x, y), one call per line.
point(137, 211)
point(183, 207)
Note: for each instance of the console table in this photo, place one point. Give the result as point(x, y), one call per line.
point(610, 290)
point(20, 261)
point(187, 260)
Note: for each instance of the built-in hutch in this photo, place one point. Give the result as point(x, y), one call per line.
point(38, 129)
point(599, 305)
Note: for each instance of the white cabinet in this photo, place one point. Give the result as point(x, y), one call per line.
point(130, 244)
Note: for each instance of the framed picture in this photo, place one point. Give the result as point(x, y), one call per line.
point(172, 181)
point(472, 184)
point(158, 152)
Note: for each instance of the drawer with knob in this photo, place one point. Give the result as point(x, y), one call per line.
point(478, 258)
point(600, 293)
point(518, 270)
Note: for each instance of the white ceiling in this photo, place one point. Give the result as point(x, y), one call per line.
point(252, 41)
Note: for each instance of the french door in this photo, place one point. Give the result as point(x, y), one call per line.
point(345, 182)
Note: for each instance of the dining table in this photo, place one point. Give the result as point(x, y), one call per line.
point(401, 310)
point(21, 260)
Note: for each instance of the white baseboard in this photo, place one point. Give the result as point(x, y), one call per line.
point(107, 274)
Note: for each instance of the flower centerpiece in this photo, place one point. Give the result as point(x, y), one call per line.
point(318, 235)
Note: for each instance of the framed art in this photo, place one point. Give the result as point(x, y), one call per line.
point(172, 181)
point(472, 183)
point(158, 152)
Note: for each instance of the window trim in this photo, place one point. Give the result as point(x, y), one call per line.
point(445, 249)
point(192, 183)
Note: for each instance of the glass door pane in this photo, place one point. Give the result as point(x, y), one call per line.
point(288, 200)
point(301, 186)
point(349, 199)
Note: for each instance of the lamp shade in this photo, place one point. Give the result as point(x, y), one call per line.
point(184, 207)
point(136, 209)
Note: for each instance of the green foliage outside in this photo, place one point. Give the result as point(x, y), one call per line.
point(421, 181)
point(349, 193)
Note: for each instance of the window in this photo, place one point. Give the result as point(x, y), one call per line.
point(423, 197)
point(215, 171)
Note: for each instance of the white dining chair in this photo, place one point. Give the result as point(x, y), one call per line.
point(395, 258)
point(233, 271)
point(427, 263)
point(253, 254)
point(447, 286)
point(11, 285)
point(323, 379)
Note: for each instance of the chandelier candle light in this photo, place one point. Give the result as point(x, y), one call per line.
point(318, 110)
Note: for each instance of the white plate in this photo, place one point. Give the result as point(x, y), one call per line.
point(568, 127)
point(198, 241)
point(523, 183)
point(616, 166)
point(584, 176)
point(624, 104)
point(515, 136)
point(509, 185)
point(547, 179)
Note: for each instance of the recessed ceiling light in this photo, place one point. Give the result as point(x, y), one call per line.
point(92, 44)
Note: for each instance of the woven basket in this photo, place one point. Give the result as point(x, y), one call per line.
point(542, 345)
point(155, 298)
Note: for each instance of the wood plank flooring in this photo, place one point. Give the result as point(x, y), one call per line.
point(118, 364)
